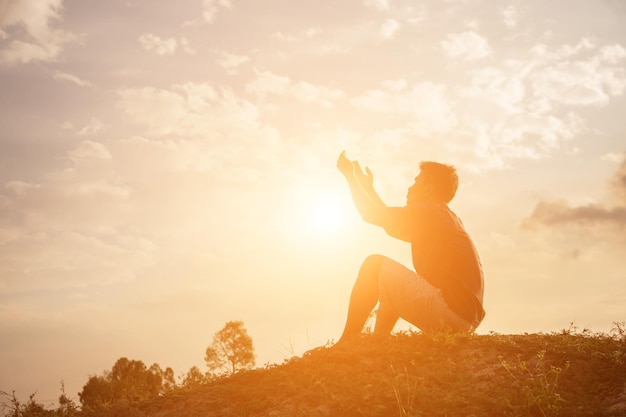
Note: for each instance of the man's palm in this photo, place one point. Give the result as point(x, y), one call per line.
point(365, 178)
point(344, 164)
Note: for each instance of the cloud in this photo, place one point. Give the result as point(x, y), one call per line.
point(93, 126)
point(425, 105)
point(64, 76)
point(188, 110)
point(528, 108)
point(155, 44)
point(510, 16)
point(613, 157)
point(267, 83)
point(553, 213)
point(231, 62)
point(211, 7)
point(72, 228)
point(567, 76)
point(617, 184)
point(468, 46)
point(556, 213)
point(186, 45)
point(301, 35)
point(90, 151)
point(380, 5)
point(20, 187)
point(524, 136)
point(389, 28)
point(38, 41)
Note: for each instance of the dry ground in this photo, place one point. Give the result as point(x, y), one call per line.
point(562, 374)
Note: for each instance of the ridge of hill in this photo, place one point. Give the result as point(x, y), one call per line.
point(412, 374)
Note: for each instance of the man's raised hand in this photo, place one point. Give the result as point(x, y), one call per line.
point(344, 165)
point(366, 179)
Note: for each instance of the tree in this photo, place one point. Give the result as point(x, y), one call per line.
point(67, 406)
point(231, 349)
point(193, 378)
point(129, 381)
point(30, 409)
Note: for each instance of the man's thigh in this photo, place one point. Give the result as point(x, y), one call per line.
point(415, 300)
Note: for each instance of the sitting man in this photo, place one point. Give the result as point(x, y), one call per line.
point(446, 291)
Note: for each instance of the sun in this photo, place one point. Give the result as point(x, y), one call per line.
point(326, 215)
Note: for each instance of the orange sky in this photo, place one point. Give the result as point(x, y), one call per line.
point(163, 168)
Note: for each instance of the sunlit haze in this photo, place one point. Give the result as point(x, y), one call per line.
point(166, 167)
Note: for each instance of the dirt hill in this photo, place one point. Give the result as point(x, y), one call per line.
point(561, 374)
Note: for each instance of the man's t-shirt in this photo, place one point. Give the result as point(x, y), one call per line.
point(443, 254)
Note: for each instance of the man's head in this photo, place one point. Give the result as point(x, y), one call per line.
point(436, 182)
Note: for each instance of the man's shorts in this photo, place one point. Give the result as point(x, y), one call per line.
point(415, 300)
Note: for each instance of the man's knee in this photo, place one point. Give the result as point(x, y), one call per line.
point(371, 265)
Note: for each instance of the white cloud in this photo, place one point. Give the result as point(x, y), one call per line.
point(612, 54)
point(510, 16)
point(300, 36)
point(525, 108)
point(64, 76)
point(155, 44)
point(424, 104)
point(282, 37)
point(572, 83)
point(496, 137)
point(34, 15)
point(93, 126)
point(567, 50)
point(389, 28)
point(567, 78)
point(230, 61)
point(395, 85)
point(503, 86)
point(381, 5)
point(189, 110)
point(614, 157)
point(89, 151)
point(211, 7)
point(39, 42)
point(186, 45)
point(270, 83)
point(468, 46)
point(20, 187)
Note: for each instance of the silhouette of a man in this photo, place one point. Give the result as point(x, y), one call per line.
point(445, 293)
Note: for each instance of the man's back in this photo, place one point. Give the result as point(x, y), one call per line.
point(443, 254)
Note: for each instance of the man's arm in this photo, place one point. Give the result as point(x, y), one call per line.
point(366, 180)
point(366, 200)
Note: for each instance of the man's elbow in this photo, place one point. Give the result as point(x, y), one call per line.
point(373, 217)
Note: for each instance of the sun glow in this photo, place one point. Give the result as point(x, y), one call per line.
point(326, 215)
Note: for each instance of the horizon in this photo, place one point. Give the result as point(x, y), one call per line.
point(164, 170)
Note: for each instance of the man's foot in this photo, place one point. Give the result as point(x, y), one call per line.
point(342, 344)
point(314, 351)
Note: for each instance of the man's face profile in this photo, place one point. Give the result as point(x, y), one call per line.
point(419, 191)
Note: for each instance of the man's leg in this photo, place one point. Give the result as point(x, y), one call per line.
point(386, 319)
point(363, 298)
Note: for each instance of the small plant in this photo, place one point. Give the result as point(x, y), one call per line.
point(404, 391)
point(618, 333)
point(539, 383)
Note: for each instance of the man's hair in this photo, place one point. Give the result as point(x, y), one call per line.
point(443, 178)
